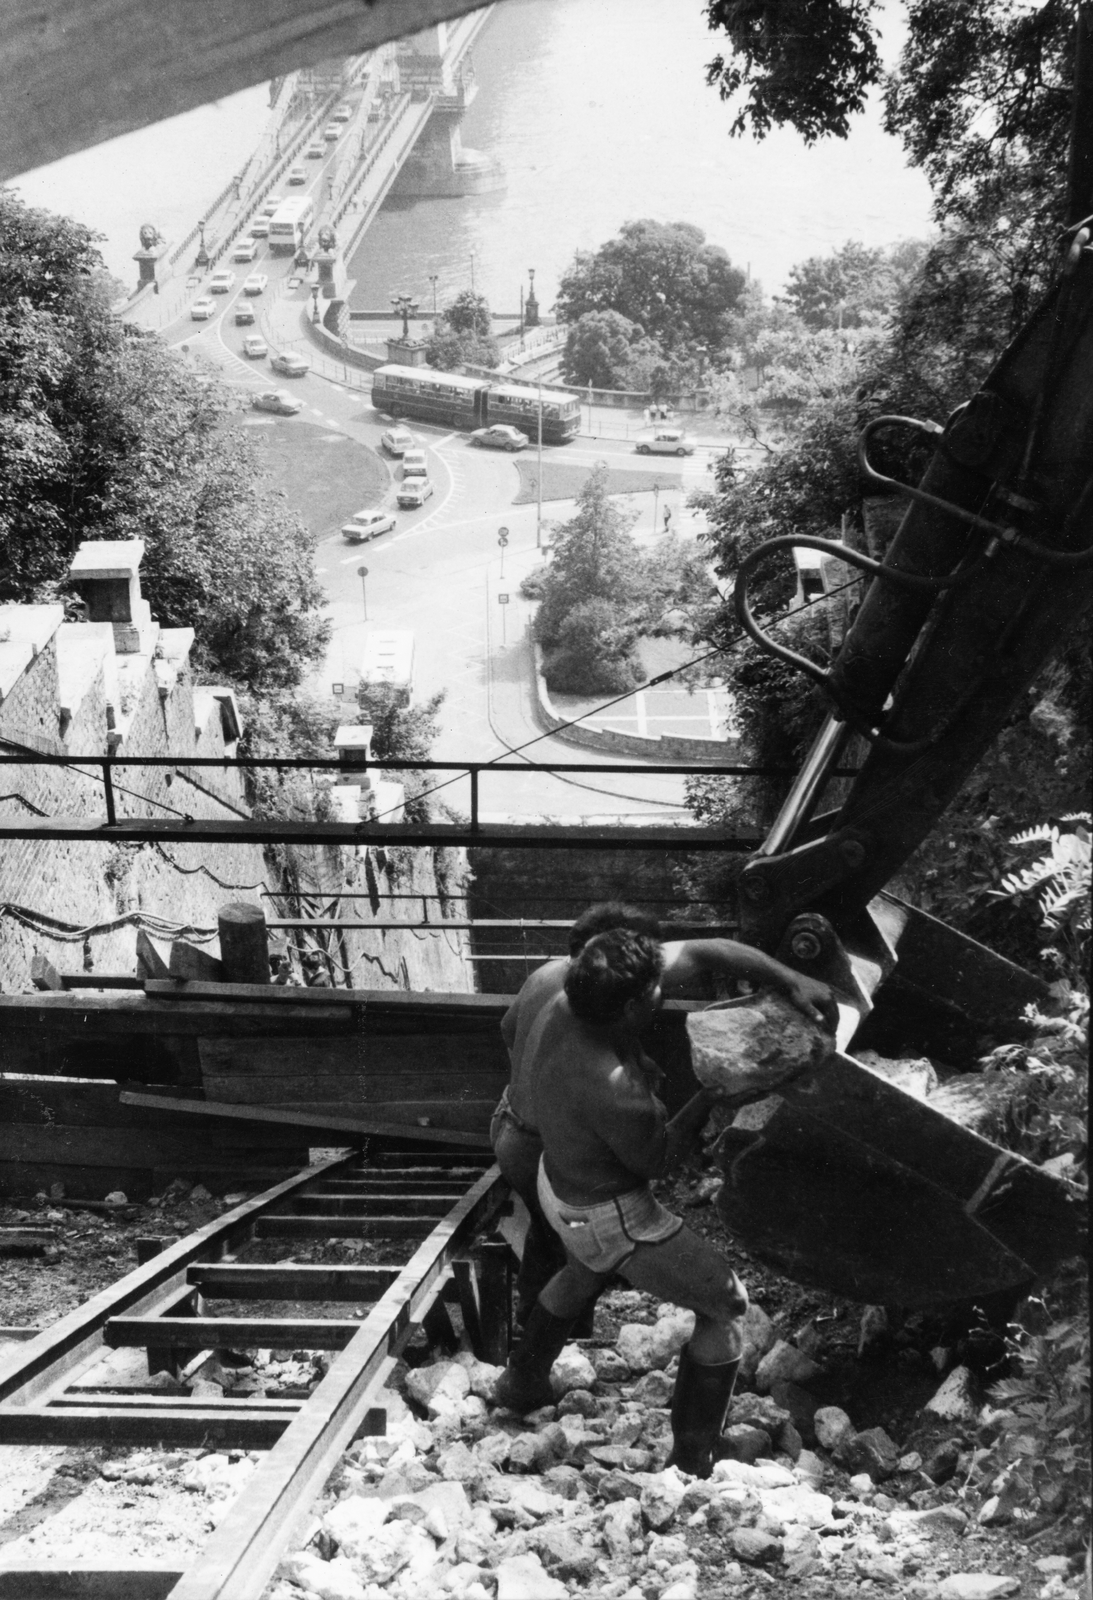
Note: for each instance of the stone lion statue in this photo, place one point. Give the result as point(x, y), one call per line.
point(328, 239)
point(150, 236)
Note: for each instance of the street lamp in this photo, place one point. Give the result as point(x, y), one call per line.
point(405, 307)
point(539, 474)
point(202, 253)
point(531, 316)
point(432, 280)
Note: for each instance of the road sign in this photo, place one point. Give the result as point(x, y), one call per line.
point(337, 688)
point(502, 537)
point(362, 572)
point(502, 599)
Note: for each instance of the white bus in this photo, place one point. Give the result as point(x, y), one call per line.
point(387, 671)
point(289, 223)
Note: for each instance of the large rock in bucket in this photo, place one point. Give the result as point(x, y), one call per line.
point(754, 1045)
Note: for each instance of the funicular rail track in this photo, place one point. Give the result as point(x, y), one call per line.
point(440, 1204)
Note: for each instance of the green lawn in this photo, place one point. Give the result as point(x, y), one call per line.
point(563, 480)
point(326, 476)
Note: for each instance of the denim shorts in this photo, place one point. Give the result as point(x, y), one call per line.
point(603, 1236)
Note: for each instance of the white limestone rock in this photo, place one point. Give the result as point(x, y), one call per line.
point(572, 1370)
point(753, 1045)
point(833, 1427)
point(976, 1586)
point(783, 1362)
point(661, 1498)
point(956, 1401)
point(759, 1337)
point(327, 1580)
point(525, 1578)
point(643, 1347)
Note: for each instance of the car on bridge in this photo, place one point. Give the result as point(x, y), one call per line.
point(254, 346)
point(245, 250)
point(203, 309)
point(665, 442)
point(297, 174)
point(255, 283)
point(342, 113)
point(316, 150)
point(244, 314)
point(259, 228)
point(414, 491)
point(500, 437)
point(221, 282)
point(278, 401)
point(290, 364)
point(367, 524)
point(331, 131)
point(397, 441)
point(272, 202)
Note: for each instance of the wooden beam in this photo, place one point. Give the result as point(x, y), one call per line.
point(88, 1580)
point(279, 1227)
point(348, 1129)
point(233, 1280)
point(186, 1425)
point(376, 1205)
point(57, 56)
point(230, 1333)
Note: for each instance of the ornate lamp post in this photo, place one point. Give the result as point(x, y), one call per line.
point(531, 308)
point(202, 253)
point(405, 307)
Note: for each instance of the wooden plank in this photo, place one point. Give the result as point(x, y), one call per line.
point(202, 1145)
point(158, 1401)
point(346, 1127)
point(242, 1554)
point(88, 1580)
point(80, 1333)
point(379, 1004)
point(375, 1205)
point(230, 1333)
point(26, 1241)
point(244, 1281)
point(185, 1425)
point(103, 1015)
point(337, 1227)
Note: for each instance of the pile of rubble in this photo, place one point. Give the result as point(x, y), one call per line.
point(464, 1500)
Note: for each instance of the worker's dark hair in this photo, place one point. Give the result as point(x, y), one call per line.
point(612, 968)
point(606, 915)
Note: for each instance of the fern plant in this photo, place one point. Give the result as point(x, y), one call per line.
point(1060, 879)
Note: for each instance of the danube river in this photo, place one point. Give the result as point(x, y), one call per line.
point(598, 112)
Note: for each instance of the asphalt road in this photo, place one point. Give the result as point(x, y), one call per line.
point(439, 572)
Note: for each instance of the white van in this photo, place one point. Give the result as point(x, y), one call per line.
point(387, 670)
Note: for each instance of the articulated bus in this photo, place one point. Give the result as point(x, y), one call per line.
point(387, 670)
point(452, 401)
point(289, 223)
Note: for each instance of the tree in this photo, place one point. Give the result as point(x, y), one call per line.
point(104, 436)
point(809, 63)
point(662, 276)
point(851, 286)
point(599, 350)
point(462, 335)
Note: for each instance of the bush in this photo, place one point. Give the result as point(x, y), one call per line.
point(592, 652)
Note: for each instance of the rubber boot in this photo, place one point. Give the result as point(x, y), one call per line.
point(700, 1401)
point(525, 1383)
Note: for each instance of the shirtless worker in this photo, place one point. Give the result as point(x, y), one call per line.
point(514, 1131)
point(605, 1135)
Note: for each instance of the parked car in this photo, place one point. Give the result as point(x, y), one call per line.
point(245, 250)
point(221, 282)
point(366, 524)
point(414, 464)
point(259, 228)
point(255, 346)
point(331, 131)
point(398, 440)
point(414, 492)
point(297, 174)
point(316, 150)
point(204, 308)
point(255, 283)
point(290, 364)
point(277, 400)
point(500, 437)
point(665, 442)
point(244, 314)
